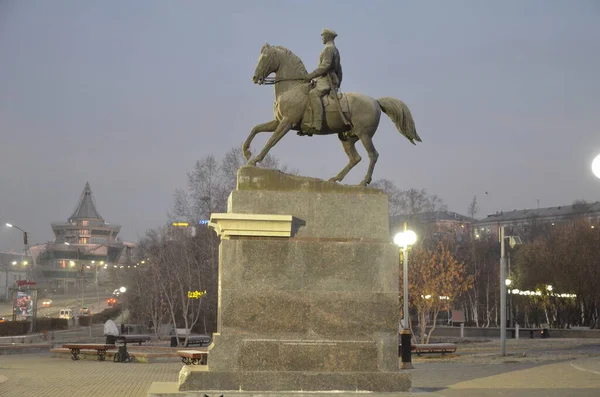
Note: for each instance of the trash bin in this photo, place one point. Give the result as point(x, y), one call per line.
point(123, 355)
point(110, 339)
point(544, 333)
point(174, 341)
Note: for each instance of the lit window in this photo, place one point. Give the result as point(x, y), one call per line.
point(84, 223)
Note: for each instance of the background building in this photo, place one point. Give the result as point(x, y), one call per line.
point(433, 224)
point(83, 249)
point(532, 222)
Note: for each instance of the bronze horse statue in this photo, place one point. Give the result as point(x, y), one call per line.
point(291, 100)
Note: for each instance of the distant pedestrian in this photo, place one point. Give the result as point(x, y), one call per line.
point(122, 328)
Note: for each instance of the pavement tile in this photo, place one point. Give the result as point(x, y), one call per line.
point(42, 375)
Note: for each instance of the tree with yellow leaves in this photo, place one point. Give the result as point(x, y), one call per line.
point(435, 279)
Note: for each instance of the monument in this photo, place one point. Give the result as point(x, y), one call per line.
point(308, 276)
point(352, 116)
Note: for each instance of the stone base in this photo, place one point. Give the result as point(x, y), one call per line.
point(199, 379)
point(170, 389)
point(313, 311)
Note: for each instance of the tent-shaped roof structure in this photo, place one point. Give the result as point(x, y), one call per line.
point(86, 208)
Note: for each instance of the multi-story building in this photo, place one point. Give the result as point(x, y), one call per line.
point(433, 224)
point(531, 222)
point(83, 247)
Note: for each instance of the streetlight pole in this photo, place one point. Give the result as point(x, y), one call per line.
point(502, 293)
point(10, 225)
point(404, 240)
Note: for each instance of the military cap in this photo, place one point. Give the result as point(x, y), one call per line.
point(329, 32)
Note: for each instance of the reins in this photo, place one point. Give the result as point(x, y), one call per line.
point(272, 80)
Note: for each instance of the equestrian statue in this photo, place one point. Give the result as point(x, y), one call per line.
point(311, 104)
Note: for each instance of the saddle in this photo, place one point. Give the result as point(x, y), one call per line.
point(331, 116)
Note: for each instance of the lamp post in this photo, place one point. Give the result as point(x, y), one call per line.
point(10, 225)
point(404, 240)
point(514, 240)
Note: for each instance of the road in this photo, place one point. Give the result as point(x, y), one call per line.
point(58, 302)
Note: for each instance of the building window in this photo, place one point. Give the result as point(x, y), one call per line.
point(63, 264)
point(83, 240)
point(84, 223)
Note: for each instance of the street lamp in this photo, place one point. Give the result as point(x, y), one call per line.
point(122, 290)
point(24, 233)
point(404, 240)
point(513, 240)
point(596, 166)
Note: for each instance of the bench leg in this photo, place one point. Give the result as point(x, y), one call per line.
point(101, 355)
point(74, 354)
point(186, 360)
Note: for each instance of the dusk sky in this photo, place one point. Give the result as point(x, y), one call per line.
point(129, 94)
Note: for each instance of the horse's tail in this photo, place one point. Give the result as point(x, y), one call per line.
point(400, 115)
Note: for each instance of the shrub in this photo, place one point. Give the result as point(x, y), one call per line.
point(50, 324)
point(13, 328)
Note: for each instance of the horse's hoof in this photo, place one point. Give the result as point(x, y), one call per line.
point(247, 154)
point(251, 163)
point(333, 180)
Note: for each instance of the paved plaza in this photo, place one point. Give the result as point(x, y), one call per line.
point(533, 368)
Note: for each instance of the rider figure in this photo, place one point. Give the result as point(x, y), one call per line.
point(328, 76)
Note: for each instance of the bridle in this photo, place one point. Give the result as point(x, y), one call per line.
point(272, 80)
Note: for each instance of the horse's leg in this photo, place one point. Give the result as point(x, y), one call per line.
point(353, 157)
point(269, 126)
point(365, 138)
point(284, 126)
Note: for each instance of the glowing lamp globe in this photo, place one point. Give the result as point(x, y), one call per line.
point(596, 166)
point(404, 239)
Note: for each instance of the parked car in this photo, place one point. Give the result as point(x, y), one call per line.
point(47, 302)
point(111, 302)
point(85, 311)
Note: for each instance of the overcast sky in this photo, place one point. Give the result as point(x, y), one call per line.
point(129, 94)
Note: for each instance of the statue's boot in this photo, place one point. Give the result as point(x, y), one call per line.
point(317, 110)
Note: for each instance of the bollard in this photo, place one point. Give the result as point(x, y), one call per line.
point(462, 330)
point(405, 349)
point(517, 331)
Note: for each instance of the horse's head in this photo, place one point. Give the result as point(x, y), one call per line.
point(268, 63)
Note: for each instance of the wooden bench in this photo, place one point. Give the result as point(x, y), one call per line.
point(76, 349)
point(194, 339)
point(434, 348)
point(193, 357)
point(133, 338)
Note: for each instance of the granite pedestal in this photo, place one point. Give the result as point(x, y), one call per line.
point(314, 310)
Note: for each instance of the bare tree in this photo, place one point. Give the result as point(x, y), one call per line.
point(183, 266)
point(210, 183)
point(472, 267)
point(409, 202)
point(395, 196)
